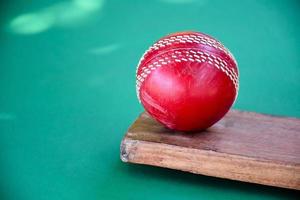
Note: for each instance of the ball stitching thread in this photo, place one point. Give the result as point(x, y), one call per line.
point(191, 38)
point(185, 56)
point(219, 63)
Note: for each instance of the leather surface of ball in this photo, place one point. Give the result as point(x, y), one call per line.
point(187, 81)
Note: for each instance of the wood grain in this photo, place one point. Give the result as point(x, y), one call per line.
point(243, 146)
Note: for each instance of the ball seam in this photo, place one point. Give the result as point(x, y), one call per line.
point(190, 55)
point(187, 38)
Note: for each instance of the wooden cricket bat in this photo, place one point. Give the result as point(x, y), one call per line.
point(243, 146)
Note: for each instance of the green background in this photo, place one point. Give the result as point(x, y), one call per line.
point(67, 87)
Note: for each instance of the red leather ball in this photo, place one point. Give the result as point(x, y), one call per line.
point(187, 81)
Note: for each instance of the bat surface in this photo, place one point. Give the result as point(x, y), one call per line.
point(243, 146)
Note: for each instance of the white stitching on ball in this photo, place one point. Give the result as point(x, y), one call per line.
point(192, 38)
point(185, 56)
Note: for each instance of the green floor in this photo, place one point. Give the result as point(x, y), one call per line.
point(68, 91)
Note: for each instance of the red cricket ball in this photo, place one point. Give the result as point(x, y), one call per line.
point(187, 81)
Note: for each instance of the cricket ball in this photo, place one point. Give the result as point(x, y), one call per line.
point(187, 81)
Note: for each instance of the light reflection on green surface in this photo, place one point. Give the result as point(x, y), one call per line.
point(32, 23)
point(181, 1)
point(7, 116)
point(103, 50)
point(69, 13)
